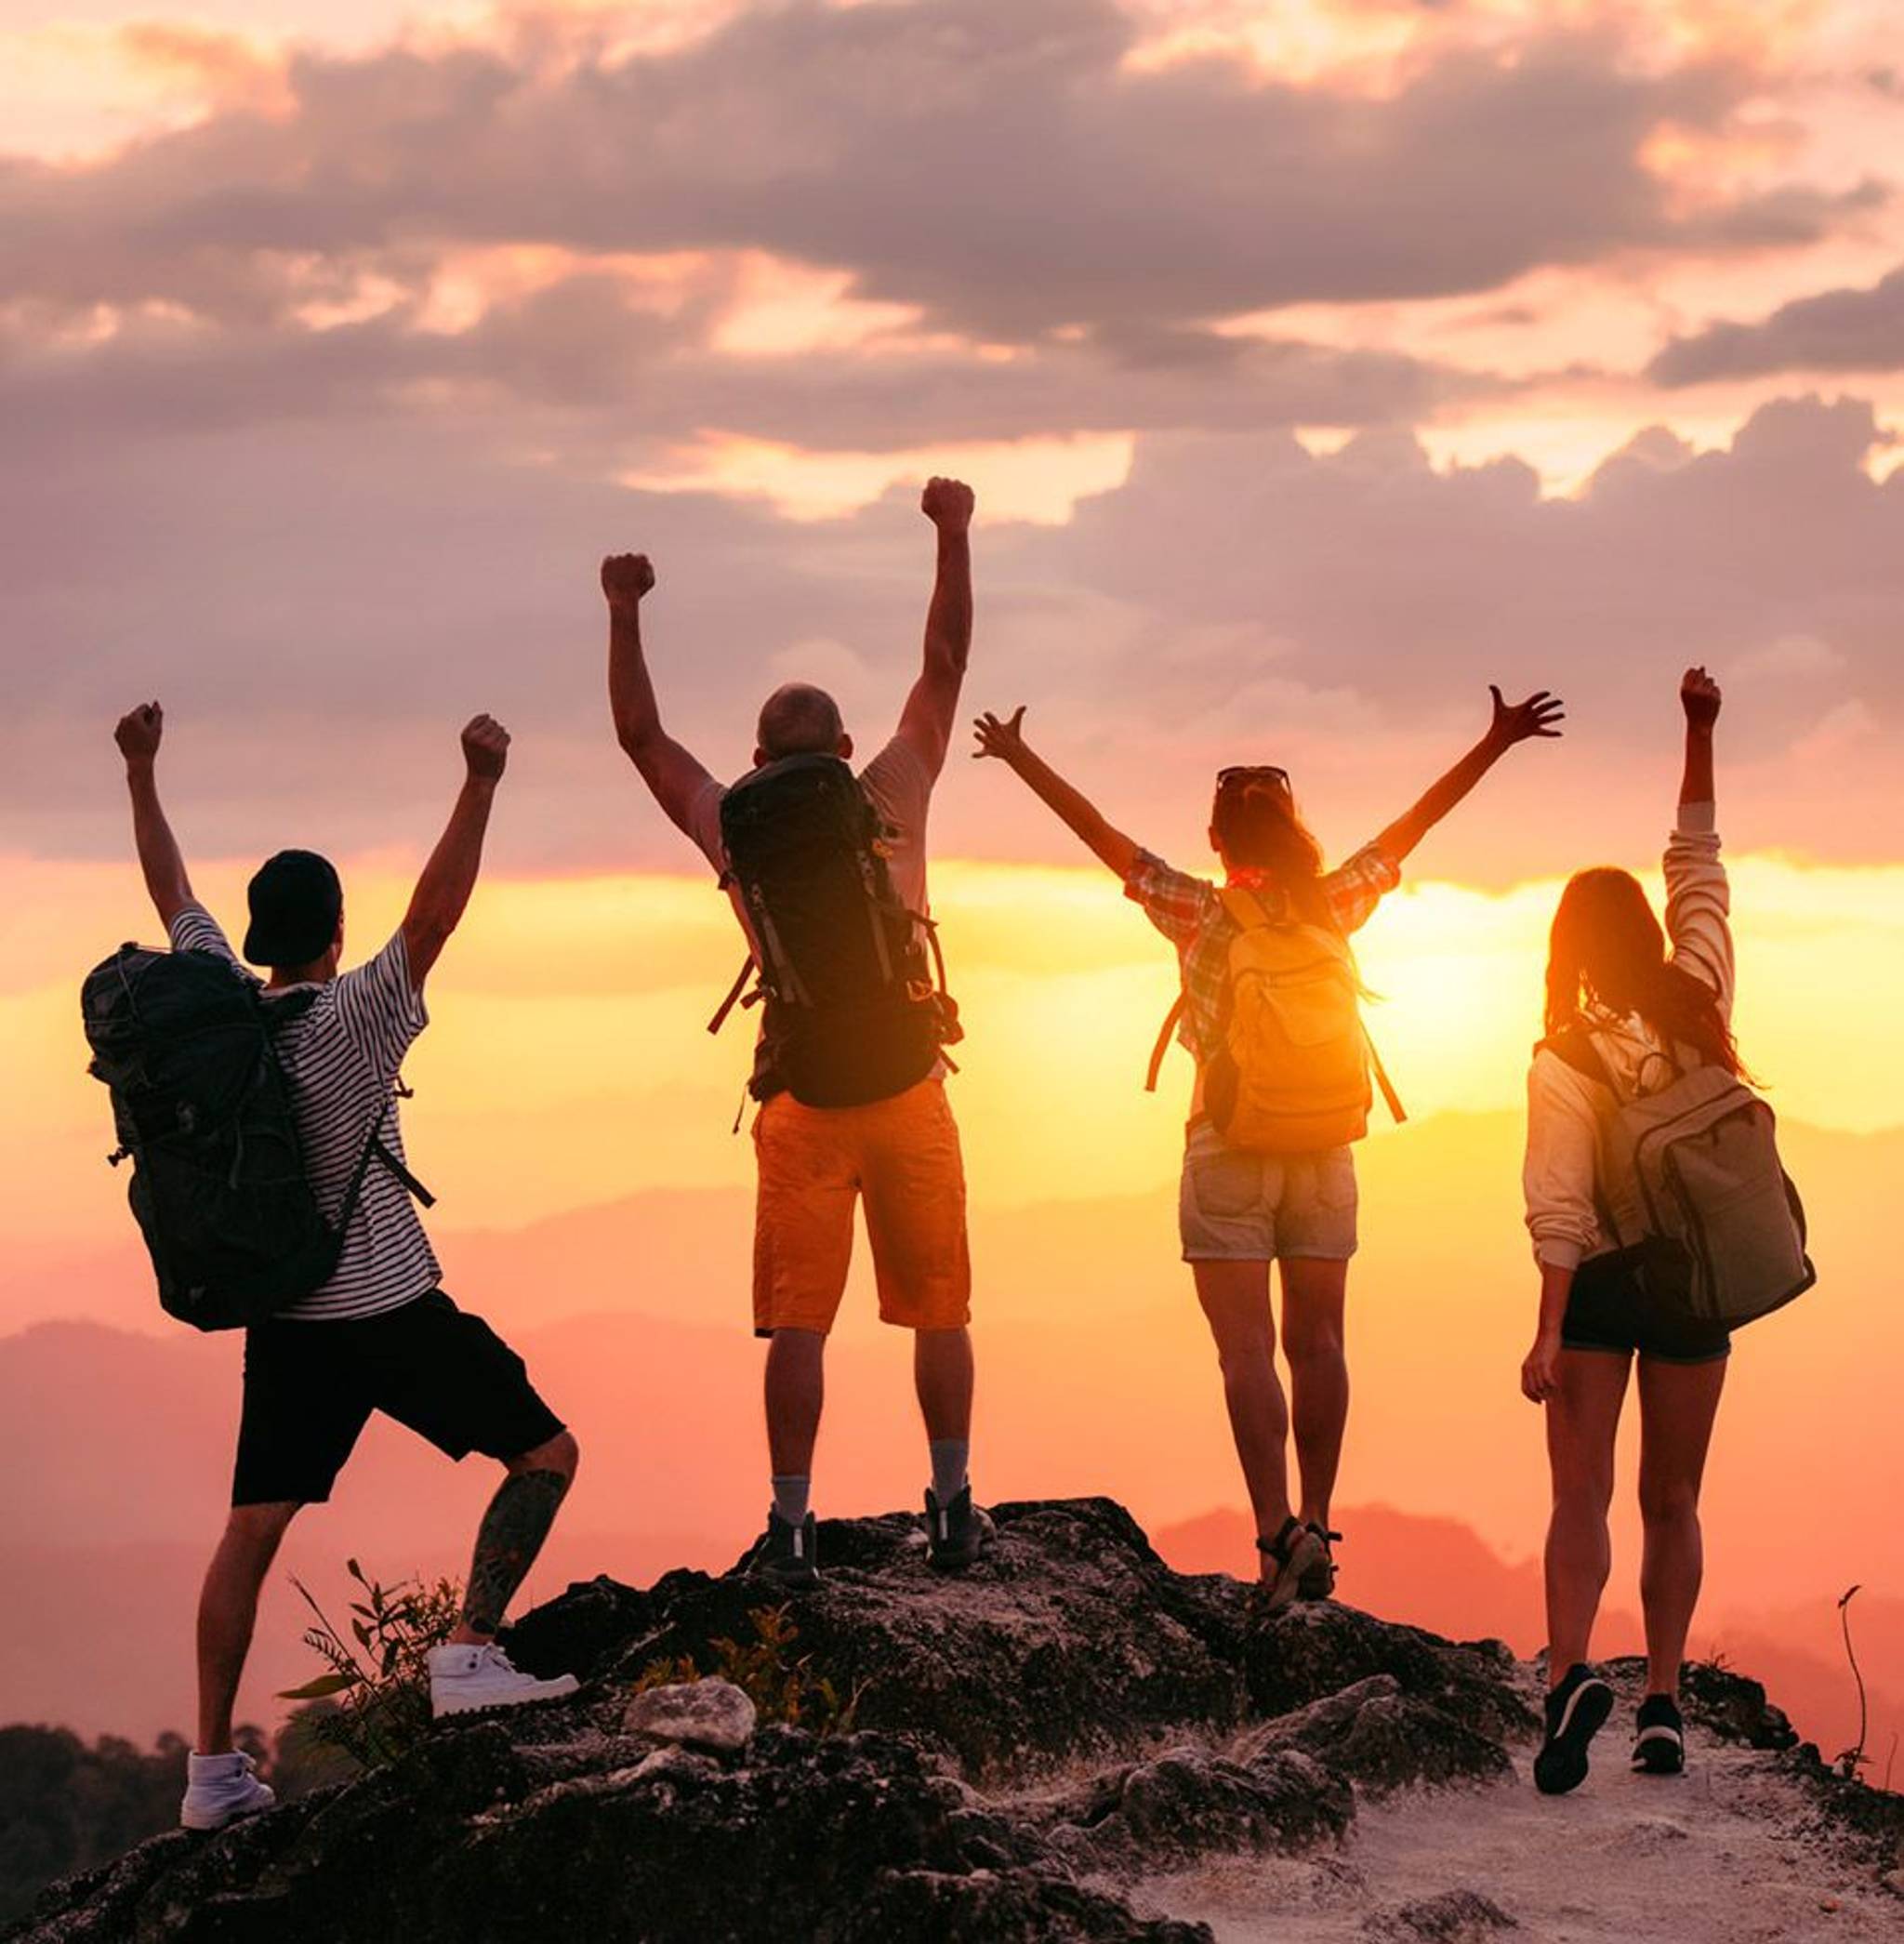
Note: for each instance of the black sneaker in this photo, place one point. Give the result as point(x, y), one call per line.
point(1319, 1582)
point(1659, 1746)
point(786, 1554)
point(955, 1533)
point(1576, 1711)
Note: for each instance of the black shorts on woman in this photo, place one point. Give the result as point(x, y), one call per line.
point(1608, 1309)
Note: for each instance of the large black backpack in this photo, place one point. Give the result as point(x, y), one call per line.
point(203, 1111)
point(856, 1010)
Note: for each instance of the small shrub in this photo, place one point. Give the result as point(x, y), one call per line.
point(378, 1691)
point(781, 1682)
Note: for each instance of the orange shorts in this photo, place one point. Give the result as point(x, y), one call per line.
point(901, 1155)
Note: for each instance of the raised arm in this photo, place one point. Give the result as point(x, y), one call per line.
point(138, 736)
point(443, 892)
point(1699, 696)
point(1698, 896)
point(926, 722)
point(1006, 741)
point(1512, 722)
point(675, 778)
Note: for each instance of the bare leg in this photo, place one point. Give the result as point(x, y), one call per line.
point(512, 1532)
point(1583, 1421)
point(796, 1389)
point(1678, 1403)
point(1312, 1301)
point(227, 1612)
point(1236, 1301)
point(941, 1373)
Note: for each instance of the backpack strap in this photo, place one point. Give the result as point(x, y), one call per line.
point(734, 995)
point(1162, 1047)
point(377, 1149)
point(1246, 911)
point(1573, 1046)
point(1390, 1097)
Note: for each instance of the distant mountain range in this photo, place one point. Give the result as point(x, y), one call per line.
point(1095, 1376)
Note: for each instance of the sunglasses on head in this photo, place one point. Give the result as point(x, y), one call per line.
point(1248, 773)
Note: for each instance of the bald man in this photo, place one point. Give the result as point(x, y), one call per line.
point(899, 1155)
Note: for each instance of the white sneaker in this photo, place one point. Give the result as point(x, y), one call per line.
point(219, 1789)
point(463, 1679)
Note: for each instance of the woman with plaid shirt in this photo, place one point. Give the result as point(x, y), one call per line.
point(1240, 1209)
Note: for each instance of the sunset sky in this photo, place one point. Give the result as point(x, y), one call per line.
point(1315, 362)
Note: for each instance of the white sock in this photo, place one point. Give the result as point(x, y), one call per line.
point(790, 1496)
point(951, 1456)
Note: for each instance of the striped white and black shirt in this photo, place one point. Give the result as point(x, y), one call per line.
point(341, 1055)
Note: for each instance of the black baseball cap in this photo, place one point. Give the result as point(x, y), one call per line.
point(297, 899)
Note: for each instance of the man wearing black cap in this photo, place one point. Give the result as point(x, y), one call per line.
point(380, 1334)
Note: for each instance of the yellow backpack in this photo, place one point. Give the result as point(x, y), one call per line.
point(1292, 1074)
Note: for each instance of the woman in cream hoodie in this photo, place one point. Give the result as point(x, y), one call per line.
point(1629, 1003)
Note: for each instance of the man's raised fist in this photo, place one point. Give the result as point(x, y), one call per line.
point(626, 577)
point(140, 730)
point(947, 503)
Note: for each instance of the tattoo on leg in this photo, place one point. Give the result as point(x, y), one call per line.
point(512, 1534)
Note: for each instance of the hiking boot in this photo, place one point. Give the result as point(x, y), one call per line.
point(1576, 1711)
point(957, 1532)
point(1659, 1746)
point(786, 1555)
point(1319, 1582)
point(1296, 1551)
point(219, 1789)
point(468, 1677)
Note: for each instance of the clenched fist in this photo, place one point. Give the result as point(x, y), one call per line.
point(947, 503)
point(626, 577)
point(485, 749)
point(1699, 696)
point(139, 732)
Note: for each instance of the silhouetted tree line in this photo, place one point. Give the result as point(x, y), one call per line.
point(66, 1805)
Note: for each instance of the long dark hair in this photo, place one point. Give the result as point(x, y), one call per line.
point(1607, 944)
point(1255, 822)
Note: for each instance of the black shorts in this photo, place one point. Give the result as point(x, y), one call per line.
point(309, 1388)
point(1608, 1309)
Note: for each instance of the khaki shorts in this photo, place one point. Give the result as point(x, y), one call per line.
point(901, 1156)
point(1238, 1207)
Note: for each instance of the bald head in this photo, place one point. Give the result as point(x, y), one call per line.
point(799, 719)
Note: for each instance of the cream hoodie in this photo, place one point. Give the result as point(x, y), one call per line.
point(1560, 1177)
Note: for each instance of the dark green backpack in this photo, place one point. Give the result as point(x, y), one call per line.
point(203, 1112)
point(856, 1009)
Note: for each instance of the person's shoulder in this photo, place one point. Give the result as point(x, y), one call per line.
point(194, 929)
point(1370, 865)
point(1572, 1053)
point(703, 824)
point(897, 774)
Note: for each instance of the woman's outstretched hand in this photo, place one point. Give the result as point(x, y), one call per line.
point(1540, 1368)
point(1700, 698)
point(1003, 739)
point(1518, 722)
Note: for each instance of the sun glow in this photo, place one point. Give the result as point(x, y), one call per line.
point(569, 1065)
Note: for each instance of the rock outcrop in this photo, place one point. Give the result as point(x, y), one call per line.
point(1009, 1754)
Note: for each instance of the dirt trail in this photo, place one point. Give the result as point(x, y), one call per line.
point(1710, 1856)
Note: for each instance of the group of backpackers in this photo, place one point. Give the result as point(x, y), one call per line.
point(262, 1115)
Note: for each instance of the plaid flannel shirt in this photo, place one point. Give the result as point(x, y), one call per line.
point(1189, 913)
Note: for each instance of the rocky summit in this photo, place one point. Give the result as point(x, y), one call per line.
point(1070, 1742)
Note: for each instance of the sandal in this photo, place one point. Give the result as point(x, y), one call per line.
point(1319, 1582)
point(1296, 1551)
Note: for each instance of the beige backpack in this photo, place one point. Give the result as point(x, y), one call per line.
point(1292, 1074)
point(1715, 1226)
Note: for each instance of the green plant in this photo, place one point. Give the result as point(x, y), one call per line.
point(378, 1688)
point(781, 1682)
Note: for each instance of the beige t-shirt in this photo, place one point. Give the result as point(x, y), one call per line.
point(901, 788)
